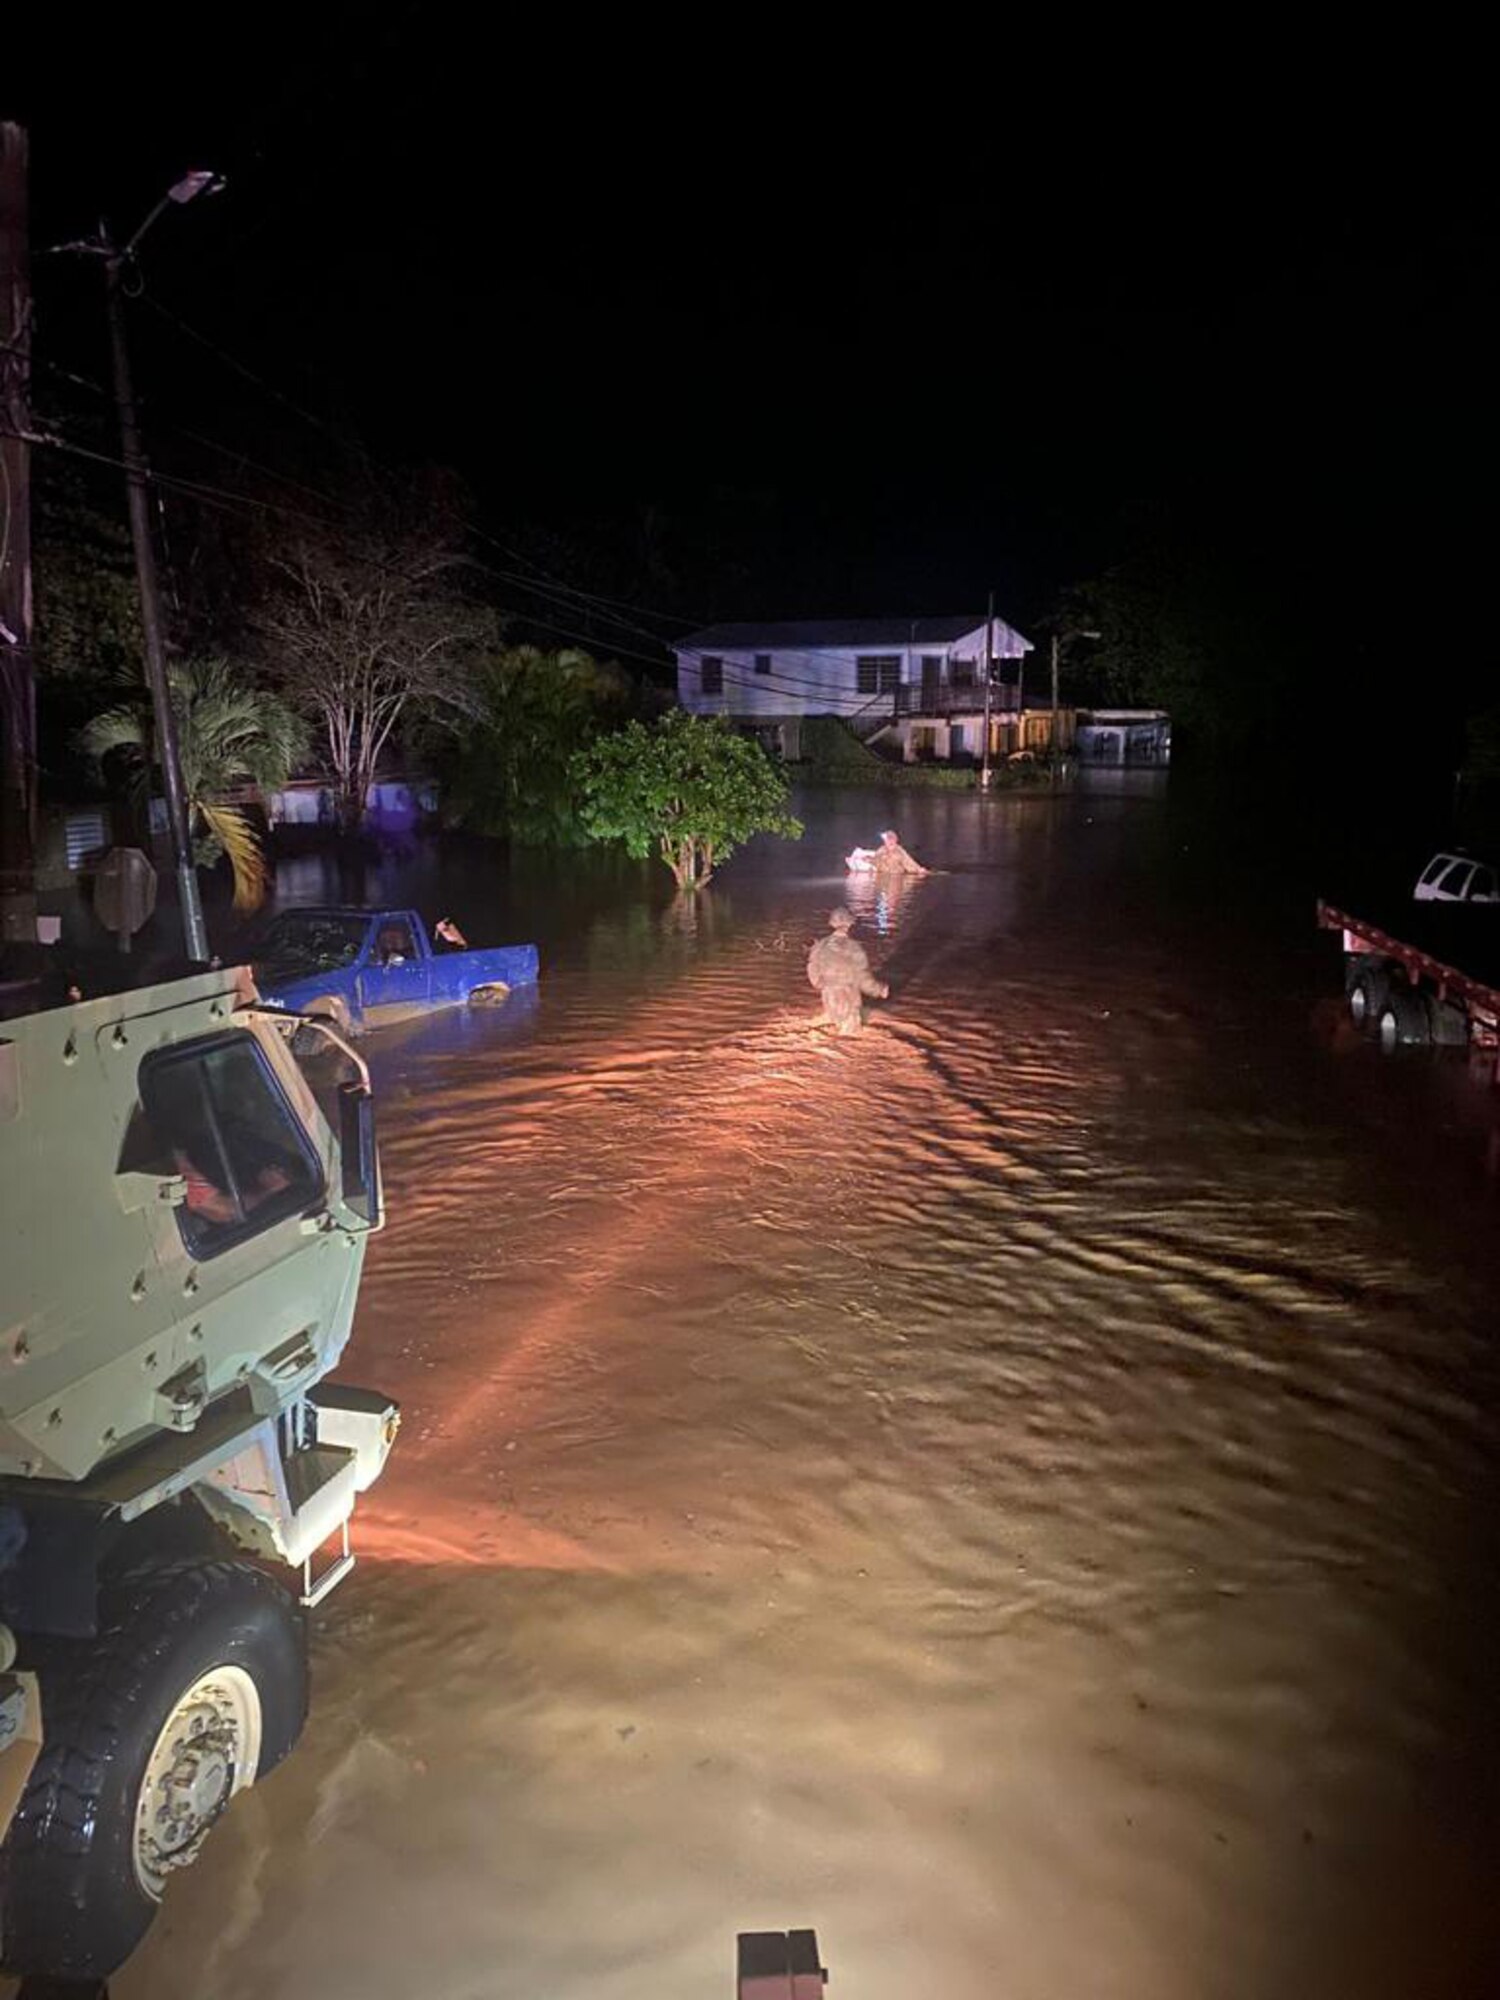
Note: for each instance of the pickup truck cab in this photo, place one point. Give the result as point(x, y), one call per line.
point(359, 968)
point(1456, 878)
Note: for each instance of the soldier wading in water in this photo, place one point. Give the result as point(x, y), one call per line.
point(839, 969)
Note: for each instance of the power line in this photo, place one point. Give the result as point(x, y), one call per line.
point(792, 684)
point(260, 382)
point(565, 596)
point(559, 593)
point(242, 368)
point(222, 497)
point(320, 424)
point(584, 599)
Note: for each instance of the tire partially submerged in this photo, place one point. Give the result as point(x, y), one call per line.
point(1405, 1019)
point(195, 1687)
point(1369, 987)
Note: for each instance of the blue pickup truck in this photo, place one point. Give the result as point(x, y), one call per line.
point(359, 968)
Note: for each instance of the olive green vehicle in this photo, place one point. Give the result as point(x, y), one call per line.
point(185, 1201)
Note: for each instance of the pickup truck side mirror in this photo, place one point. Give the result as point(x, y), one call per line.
point(360, 1190)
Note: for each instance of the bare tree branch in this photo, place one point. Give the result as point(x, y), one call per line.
point(364, 638)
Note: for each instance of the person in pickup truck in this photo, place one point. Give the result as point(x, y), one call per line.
point(446, 936)
point(393, 945)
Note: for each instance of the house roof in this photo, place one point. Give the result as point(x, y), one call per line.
point(813, 633)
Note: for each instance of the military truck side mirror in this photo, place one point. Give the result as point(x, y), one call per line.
point(361, 1162)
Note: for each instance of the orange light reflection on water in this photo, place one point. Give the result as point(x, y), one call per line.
point(745, 1096)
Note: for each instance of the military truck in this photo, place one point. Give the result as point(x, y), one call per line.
point(185, 1203)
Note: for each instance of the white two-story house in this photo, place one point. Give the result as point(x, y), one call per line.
point(916, 682)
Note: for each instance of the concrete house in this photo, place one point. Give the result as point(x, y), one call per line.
point(914, 686)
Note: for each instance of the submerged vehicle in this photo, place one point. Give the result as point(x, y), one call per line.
point(358, 967)
point(186, 1203)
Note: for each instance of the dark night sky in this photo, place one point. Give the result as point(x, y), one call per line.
point(945, 340)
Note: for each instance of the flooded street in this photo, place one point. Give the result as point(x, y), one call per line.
point(1014, 1491)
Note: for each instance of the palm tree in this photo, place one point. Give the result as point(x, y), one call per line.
point(229, 735)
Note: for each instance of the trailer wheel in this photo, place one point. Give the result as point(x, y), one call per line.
point(195, 1687)
point(1404, 1020)
point(1369, 986)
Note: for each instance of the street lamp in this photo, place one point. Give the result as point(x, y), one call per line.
point(179, 194)
point(137, 475)
point(1059, 640)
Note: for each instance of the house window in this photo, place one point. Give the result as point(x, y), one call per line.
point(963, 673)
point(711, 673)
point(956, 740)
point(877, 673)
point(763, 663)
point(215, 1115)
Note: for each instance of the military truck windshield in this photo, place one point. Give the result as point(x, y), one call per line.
point(301, 943)
point(215, 1109)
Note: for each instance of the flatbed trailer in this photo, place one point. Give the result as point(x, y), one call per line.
point(1436, 986)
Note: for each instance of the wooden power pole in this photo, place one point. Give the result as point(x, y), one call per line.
point(989, 684)
point(17, 684)
point(137, 494)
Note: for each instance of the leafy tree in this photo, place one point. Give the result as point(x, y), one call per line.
point(88, 621)
point(690, 789)
point(230, 735)
point(365, 633)
point(509, 773)
point(1145, 654)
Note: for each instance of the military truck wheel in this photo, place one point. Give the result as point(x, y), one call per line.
point(195, 1687)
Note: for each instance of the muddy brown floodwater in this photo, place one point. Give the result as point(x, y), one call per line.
point(1014, 1491)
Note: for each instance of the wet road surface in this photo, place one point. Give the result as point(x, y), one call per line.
point(1014, 1491)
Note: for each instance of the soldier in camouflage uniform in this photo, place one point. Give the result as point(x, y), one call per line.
point(892, 862)
point(839, 969)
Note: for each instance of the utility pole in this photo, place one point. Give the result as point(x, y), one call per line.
point(194, 932)
point(989, 665)
point(1058, 638)
point(1056, 651)
point(17, 677)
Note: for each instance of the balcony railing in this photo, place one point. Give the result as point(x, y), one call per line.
point(946, 697)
